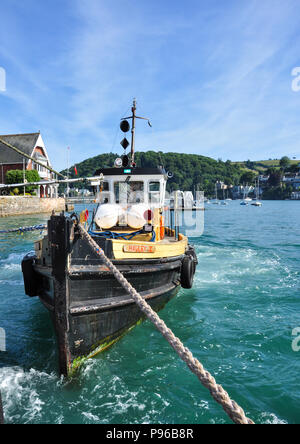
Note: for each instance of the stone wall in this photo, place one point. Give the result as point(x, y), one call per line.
point(17, 205)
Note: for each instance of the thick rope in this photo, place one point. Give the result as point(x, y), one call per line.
point(25, 229)
point(233, 410)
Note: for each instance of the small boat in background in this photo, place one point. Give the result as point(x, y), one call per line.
point(216, 200)
point(256, 202)
point(246, 199)
point(224, 200)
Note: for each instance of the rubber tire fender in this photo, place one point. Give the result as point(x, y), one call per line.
point(187, 272)
point(31, 280)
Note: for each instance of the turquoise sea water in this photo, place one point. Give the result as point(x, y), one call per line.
point(237, 320)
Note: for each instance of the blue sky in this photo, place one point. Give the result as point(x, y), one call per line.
point(214, 76)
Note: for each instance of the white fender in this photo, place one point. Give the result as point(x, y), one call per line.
point(135, 215)
point(107, 215)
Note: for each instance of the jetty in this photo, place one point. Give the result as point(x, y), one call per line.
point(18, 205)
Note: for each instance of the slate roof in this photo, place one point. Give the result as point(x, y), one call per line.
point(24, 142)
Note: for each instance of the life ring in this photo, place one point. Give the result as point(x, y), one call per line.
point(162, 227)
point(187, 272)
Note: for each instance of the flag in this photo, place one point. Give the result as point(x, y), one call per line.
point(75, 169)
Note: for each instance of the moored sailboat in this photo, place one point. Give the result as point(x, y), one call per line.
point(256, 202)
point(216, 200)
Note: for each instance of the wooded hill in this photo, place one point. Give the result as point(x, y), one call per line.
point(190, 171)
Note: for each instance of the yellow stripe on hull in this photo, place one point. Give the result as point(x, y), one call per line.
point(165, 248)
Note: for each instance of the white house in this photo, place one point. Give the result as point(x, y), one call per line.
point(33, 145)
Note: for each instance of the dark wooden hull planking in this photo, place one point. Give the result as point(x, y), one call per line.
point(89, 308)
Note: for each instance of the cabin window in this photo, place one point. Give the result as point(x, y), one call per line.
point(105, 186)
point(104, 195)
point(154, 192)
point(129, 192)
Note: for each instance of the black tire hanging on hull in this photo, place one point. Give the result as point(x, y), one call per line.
point(31, 278)
point(187, 272)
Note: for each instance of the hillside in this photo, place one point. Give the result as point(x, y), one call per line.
point(263, 165)
point(190, 171)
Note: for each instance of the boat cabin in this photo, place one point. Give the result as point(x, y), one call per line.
point(129, 198)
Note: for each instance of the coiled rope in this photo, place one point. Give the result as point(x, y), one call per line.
point(233, 410)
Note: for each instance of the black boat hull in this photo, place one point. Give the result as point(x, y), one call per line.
point(89, 307)
point(101, 329)
point(90, 325)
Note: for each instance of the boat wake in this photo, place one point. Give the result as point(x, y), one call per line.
point(21, 401)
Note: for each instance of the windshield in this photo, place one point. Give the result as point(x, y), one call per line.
point(154, 192)
point(103, 195)
point(129, 192)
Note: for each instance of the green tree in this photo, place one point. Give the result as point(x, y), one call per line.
point(295, 168)
point(275, 177)
point(250, 164)
point(278, 192)
point(17, 176)
point(248, 177)
point(285, 162)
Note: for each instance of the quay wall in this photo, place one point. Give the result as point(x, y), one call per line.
point(18, 205)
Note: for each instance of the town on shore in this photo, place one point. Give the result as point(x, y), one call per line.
point(277, 179)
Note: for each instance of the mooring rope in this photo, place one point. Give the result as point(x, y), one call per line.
point(233, 410)
point(24, 229)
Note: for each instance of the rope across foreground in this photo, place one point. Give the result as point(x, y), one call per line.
point(233, 410)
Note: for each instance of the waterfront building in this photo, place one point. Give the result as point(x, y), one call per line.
point(33, 145)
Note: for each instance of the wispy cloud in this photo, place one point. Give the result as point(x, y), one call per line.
point(215, 78)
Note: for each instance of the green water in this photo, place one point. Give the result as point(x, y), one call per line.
point(237, 320)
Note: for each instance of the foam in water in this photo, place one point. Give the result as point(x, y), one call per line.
point(270, 418)
point(19, 389)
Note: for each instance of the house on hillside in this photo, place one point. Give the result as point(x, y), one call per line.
point(33, 145)
point(295, 195)
point(263, 179)
point(292, 179)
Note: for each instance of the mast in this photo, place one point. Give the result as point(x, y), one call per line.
point(126, 128)
point(133, 109)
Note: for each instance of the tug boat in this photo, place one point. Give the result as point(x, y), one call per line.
point(89, 308)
